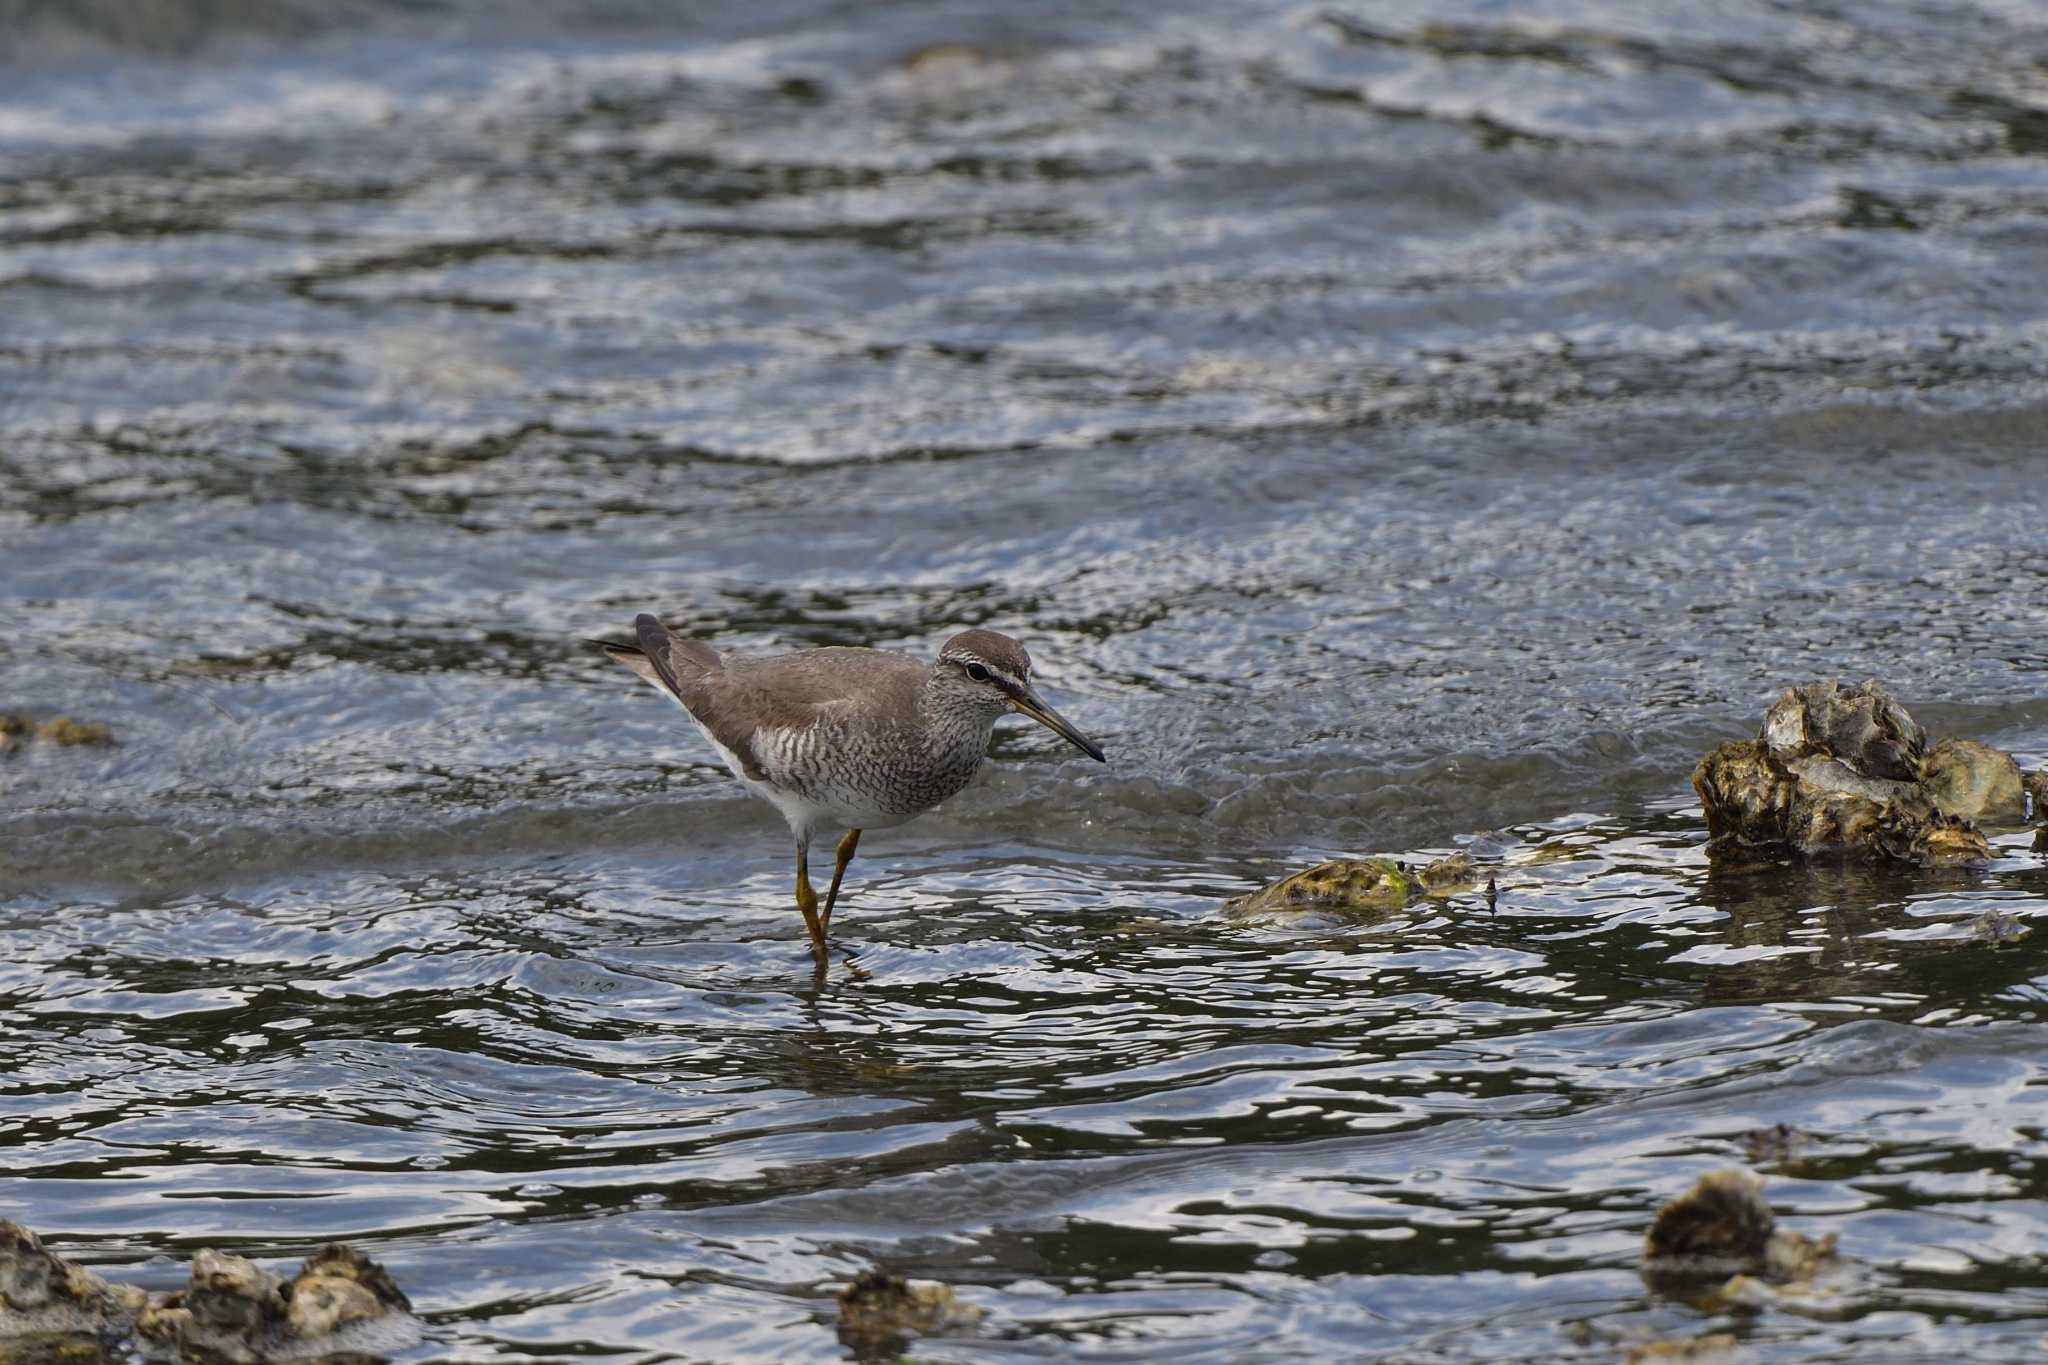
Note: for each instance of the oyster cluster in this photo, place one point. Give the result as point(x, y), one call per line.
point(1847, 771)
point(1721, 1235)
point(231, 1313)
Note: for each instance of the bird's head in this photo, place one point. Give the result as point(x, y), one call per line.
point(991, 674)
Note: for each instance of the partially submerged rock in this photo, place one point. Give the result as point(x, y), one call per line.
point(1779, 1144)
point(878, 1312)
point(15, 730)
point(42, 1294)
point(1997, 928)
point(336, 1287)
point(1355, 884)
point(1715, 1346)
point(1864, 726)
point(1847, 772)
point(1824, 810)
point(1974, 781)
point(231, 1311)
point(1722, 1228)
point(65, 730)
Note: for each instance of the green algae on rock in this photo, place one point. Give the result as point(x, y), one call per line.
point(1359, 884)
point(65, 730)
point(15, 729)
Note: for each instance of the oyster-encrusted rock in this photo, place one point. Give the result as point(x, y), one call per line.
point(1864, 726)
point(337, 1286)
point(42, 1293)
point(1974, 782)
point(1846, 772)
point(1824, 809)
point(231, 1310)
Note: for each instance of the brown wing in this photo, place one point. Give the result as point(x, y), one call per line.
point(734, 697)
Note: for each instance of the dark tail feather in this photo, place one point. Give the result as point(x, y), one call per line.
point(633, 657)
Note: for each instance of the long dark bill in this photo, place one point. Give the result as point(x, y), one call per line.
point(1030, 704)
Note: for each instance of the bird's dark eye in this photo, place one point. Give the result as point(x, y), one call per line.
point(977, 672)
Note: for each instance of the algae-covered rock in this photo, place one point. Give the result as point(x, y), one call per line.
point(1358, 884)
point(64, 730)
point(1974, 782)
point(1703, 1350)
point(1340, 884)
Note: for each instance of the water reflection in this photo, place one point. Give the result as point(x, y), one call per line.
point(1040, 1077)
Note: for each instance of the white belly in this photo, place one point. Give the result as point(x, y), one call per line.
point(839, 810)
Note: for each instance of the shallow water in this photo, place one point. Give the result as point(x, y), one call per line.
point(1387, 435)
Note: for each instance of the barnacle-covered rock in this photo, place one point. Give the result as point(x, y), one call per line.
point(231, 1311)
point(338, 1286)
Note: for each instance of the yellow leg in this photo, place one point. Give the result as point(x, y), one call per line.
point(807, 901)
point(846, 848)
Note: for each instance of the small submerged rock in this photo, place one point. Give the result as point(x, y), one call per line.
point(1847, 772)
point(1779, 1144)
point(15, 730)
point(879, 1312)
point(1356, 884)
point(230, 1311)
point(1713, 1347)
point(1997, 928)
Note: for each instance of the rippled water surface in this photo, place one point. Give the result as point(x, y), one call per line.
point(1389, 433)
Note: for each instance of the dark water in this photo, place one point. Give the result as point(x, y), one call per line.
point(1386, 432)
